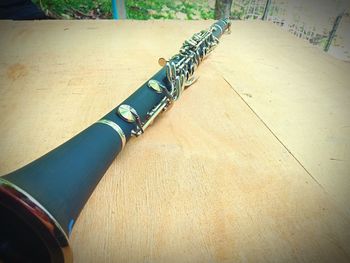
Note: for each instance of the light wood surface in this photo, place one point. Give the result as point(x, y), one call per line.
point(302, 95)
point(222, 177)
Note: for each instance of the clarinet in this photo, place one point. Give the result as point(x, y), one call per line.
point(40, 202)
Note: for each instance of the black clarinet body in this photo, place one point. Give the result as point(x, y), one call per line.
point(40, 202)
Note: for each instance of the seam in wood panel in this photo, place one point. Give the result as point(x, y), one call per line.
point(278, 139)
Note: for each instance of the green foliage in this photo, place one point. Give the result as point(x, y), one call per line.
point(136, 9)
point(167, 9)
point(72, 8)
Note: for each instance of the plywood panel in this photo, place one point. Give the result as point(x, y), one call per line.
point(301, 93)
point(207, 182)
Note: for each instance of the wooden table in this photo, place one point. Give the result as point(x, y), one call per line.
point(251, 165)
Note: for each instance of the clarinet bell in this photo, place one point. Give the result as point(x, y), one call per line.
point(28, 233)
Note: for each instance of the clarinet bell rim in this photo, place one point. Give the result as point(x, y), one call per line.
point(35, 217)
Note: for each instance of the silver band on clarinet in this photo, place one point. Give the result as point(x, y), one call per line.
point(115, 127)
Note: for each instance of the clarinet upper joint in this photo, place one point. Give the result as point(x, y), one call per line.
point(180, 71)
point(181, 67)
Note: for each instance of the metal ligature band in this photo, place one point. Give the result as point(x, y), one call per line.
point(40, 202)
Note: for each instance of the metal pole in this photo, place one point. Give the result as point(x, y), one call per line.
point(115, 9)
point(267, 9)
point(333, 31)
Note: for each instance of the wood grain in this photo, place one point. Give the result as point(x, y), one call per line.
point(301, 93)
point(207, 182)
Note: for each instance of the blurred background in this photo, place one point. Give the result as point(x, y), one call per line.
point(323, 23)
